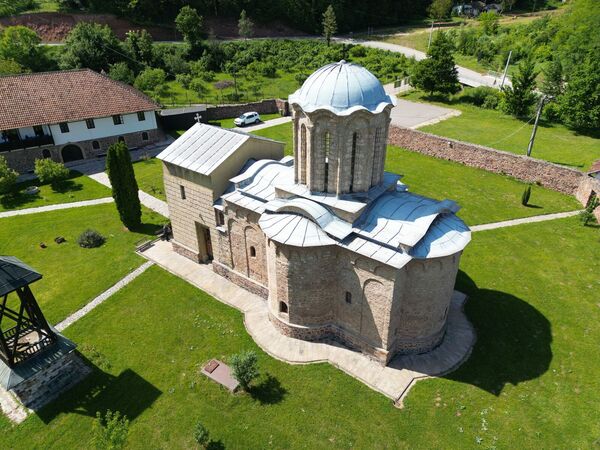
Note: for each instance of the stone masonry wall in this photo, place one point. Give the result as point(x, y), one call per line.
point(589, 188)
point(24, 160)
point(50, 382)
point(530, 170)
point(271, 106)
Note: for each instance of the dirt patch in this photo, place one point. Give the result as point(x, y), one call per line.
point(54, 27)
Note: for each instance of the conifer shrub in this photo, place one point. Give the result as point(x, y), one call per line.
point(124, 185)
point(526, 195)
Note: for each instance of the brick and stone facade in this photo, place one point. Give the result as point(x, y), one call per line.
point(337, 247)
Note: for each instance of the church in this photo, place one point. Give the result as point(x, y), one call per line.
point(339, 248)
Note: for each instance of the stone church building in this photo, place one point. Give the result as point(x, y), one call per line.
point(339, 248)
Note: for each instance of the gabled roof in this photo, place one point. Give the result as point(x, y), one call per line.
point(15, 274)
point(203, 148)
point(52, 97)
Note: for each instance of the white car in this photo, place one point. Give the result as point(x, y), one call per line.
point(247, 119)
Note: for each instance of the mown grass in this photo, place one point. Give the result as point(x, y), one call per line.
point(74, 275)
point(553, 142)
point(149, 176)
point(76, 188)
point(484, 196)
point(529, 382)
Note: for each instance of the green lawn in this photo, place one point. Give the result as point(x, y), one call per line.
point(149, 176)
point(529, 383)
point(484, 196)
point(73, 275)
point(77, 188)
point(491, 128)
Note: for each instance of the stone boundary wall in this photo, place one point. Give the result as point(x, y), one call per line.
point(270, 106)
point(531, 170)
point(588, 188)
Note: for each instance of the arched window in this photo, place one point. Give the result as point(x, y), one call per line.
point(253, 252)
point(95, 145)
point(121, 139)
point(326, 151)
point(303, 154)
point(348, 297)
point(353, 160)
point(46, 153)
point(377, 158)
point(283, 307)
point(144, 136)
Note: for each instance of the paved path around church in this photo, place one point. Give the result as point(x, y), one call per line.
point(41, 209)
point(104, 296)
point(267, 124)
point(511, 223)
point(393, 380)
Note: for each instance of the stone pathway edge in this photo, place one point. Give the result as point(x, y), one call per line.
point(55, 207)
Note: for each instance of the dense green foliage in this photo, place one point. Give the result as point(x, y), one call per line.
point(19, 47)
point(201, 435)
point(329, 24)
point(10, 7)
point(90, 45)
point(49, 171)
point(8, 176)
point(110, 432)
point(244, 367)
point(519, 98)
point(124, 186)
point(245, 25)
point(437, 72)
point(90, 239)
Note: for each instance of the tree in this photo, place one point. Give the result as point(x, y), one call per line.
point(49, 171)
point(553, 79)
point(489, 22)
point(121, 72)
point(124, 186)
point(150, 80)
point(190, 24)
point(245, 368)
point(587, 215)
point(440, 9)
point(139, 46)
point(519, 98)
point(329, 24)
point(437, 72)
point(21, 45)
point(245, 26)
point(197, 85)
point(201, 435)
point(90, 45)
point(110, 432)
point(579, 105)
point(10, 67)
point(8, 176)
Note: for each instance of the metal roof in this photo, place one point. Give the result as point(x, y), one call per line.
point(295, 230)
point(203, 148)
point(342, 88)
point(15, 274)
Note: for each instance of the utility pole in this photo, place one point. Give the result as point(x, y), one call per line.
point(505, 69)
point(535, 125)
point(430, 33)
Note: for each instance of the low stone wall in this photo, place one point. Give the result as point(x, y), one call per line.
point(530, 170)
point(241, 280)
point(270, 106)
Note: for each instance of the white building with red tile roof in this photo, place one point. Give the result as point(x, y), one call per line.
point(71, 115)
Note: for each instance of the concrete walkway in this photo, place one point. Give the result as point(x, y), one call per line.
point(533, 219)
point(103, 297)
point(41, 209)
point(393, 380)
point(266, 124)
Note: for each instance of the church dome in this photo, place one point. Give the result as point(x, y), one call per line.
point(342, 88)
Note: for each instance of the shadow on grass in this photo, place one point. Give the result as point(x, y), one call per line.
point(269, 391)
point(215, 445)
point(62, 187)
point(513, 339)
point(127, 393)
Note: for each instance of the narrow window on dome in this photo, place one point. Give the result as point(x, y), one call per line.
point(303, 154)
point(353, 160)
point(326, 149)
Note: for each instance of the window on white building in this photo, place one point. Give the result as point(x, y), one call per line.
point(141, 116)
point(89, 123)
point(64, 127)
point(118, 119)
point(182, 192)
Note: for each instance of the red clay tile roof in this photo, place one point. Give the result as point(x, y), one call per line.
point(595, 167)
point(53, 97)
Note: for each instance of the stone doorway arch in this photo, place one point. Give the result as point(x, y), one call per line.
point(71, 152)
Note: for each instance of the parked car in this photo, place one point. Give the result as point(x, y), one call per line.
point(247, 119)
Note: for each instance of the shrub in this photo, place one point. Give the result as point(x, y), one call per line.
point(358, 51)
point(90, 239)
point(245, 368)
point(482, 96)
point(201, 435)
point(8, 177)
point(587, 215)
point(49, 171)
point(111, 431)
point(525, 196)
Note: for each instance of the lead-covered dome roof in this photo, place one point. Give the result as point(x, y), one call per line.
point(342, 88)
